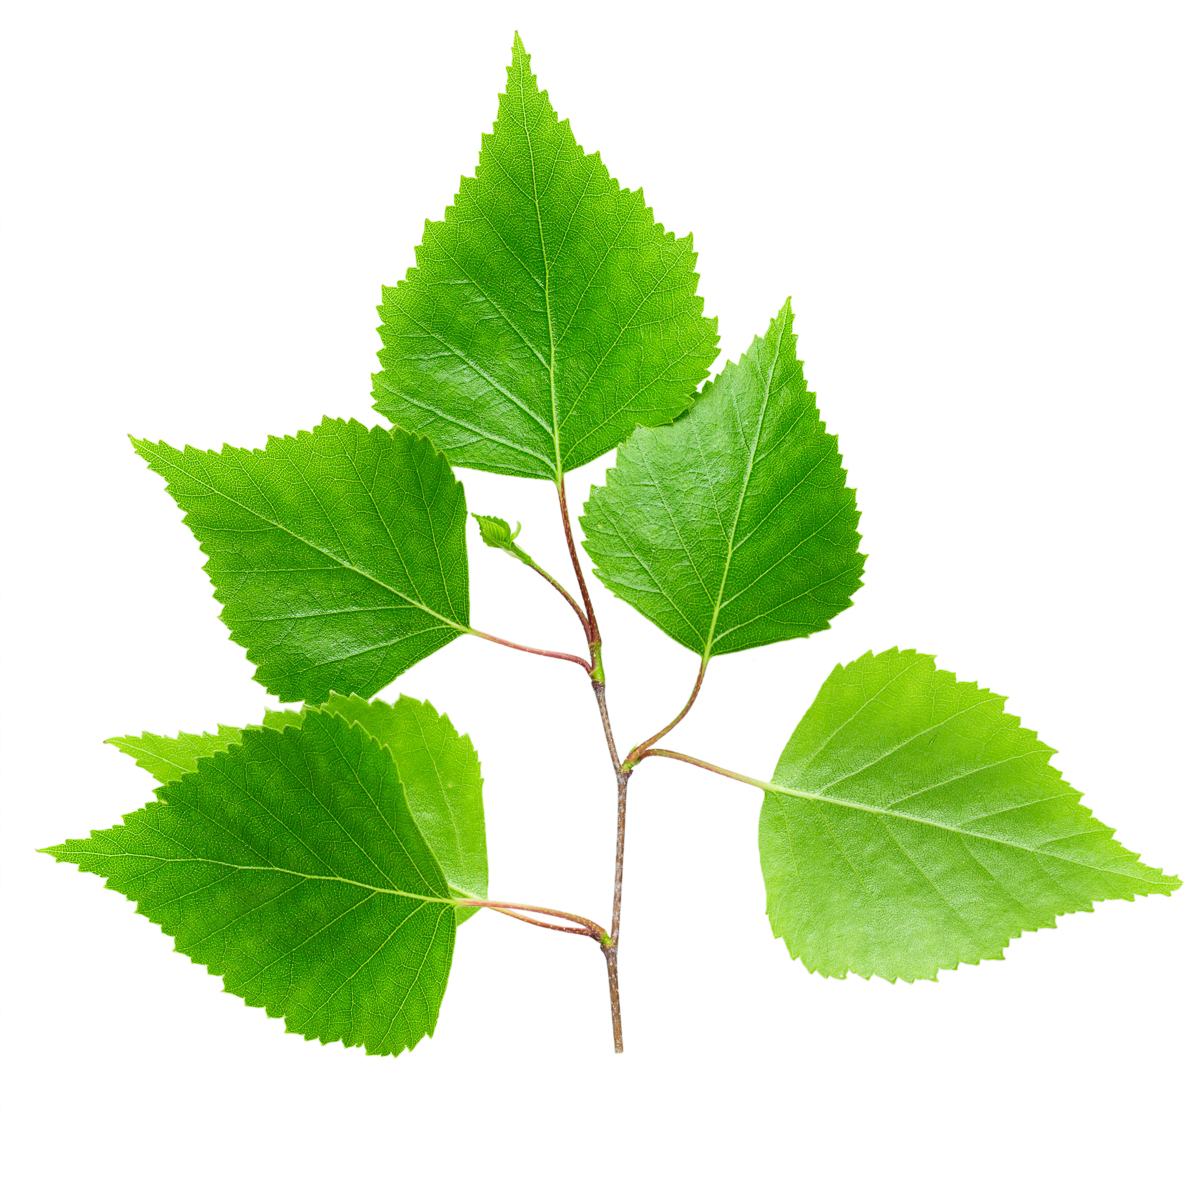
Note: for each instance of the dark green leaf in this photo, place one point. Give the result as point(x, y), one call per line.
point(291, 865)
point(547, 315)
point(912, 824)
point(339, 555)
point(438, 768)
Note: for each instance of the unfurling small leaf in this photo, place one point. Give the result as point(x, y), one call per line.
point(496, 533)
point(912, 825)
point(732, 527)
point(291, 865)
point(339, 555)
point(548, 314)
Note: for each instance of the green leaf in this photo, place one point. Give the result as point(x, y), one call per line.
point(339, 555)
point(170, 758)
point(291, 866)
point(912, 825)
point(441, 777)
point(547, 315)
point(438, 768)
point(496, 533)
point(732, 527)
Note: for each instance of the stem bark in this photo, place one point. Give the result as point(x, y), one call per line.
point(622, 773)
point(610, 951)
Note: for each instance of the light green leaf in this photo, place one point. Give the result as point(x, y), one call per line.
point(339, 555)
point(496, 533)
point(547, 315)
point(732, 527)
point(291, 866)
point(170, 758)
point(913, 825)
point(441, 777)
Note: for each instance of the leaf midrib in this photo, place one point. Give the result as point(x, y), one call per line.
point(737, 516)
point(141, 753)
point(217, 862)
point(537, 208)
point(887, 812)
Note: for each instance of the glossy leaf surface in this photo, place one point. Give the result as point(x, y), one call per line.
point(339, 555)
point(732, 527)
point(548, 314)
point(912, 825)
point(291, 866)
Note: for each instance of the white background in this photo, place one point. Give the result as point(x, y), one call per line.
point(985, 215)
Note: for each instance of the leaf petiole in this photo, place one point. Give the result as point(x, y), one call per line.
point(589, 927)
point(639, 752)
point(593, 630)
point(491, 637)
point(562, 591)
point(707, 766)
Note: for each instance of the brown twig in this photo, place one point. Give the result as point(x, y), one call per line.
point(610, 951)
point(621, 772)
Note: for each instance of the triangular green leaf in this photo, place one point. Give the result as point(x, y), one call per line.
point(339, 555)
point(547, 315)
point(441, 777)
point(291, 865)
point(170, 758)
point(732, 527)
point(912, 825)
point(496, 533)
